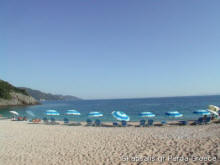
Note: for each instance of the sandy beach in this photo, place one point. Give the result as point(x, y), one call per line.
point(24, 143)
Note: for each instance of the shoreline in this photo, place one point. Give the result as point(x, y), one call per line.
point(19, 105)
point(107, 123)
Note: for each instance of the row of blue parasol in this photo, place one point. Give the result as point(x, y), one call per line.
point(121, 116)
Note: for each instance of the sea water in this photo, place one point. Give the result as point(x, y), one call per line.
point(132, 107)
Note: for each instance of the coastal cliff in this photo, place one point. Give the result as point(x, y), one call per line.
point(12, 96)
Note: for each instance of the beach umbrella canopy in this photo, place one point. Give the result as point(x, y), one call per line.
point(121, 116)
point(95, 114)
point(213, 108)
point(52, 113)
point(202, 112)
point(72, 112)
point(147, 114)
point(14, 113)
point(174, 114)
point(214, 112)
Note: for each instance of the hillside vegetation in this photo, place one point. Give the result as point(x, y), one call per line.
point(6, 89)
point(13, 96)
point(48, 96)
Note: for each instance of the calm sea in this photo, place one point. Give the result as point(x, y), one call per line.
point(132, 107)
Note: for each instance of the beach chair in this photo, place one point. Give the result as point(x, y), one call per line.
point(142, 123)
point(115, 124)
point(97, 122)
point(52, 120)
point(45, 120)
point(183, 122)
point(66, 120)
point(124, 123)
point(163, 123)
point(150, 123)
point(207, 120)
point(89, 122)
point(199, 121)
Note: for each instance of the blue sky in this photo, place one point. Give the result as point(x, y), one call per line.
point(112, 48)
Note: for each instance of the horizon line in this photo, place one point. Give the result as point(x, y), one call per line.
point(154, 97)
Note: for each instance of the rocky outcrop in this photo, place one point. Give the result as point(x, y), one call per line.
point(18, 99)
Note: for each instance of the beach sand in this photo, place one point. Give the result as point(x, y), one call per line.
point(39, 144)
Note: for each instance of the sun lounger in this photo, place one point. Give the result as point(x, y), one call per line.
point(52, 120)
point(45, 120)
point(115, 124)
point(202, 120)
point(97, 122)
point(183, 122)
point(199, 121)
point(89, 122)
point(124, 123)
point(66, 120)
point(207, 120)
point(142, 123)
point(150, 123)
point(163, 123)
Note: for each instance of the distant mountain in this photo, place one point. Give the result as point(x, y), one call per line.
point(47, 96)
point(11, 95)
